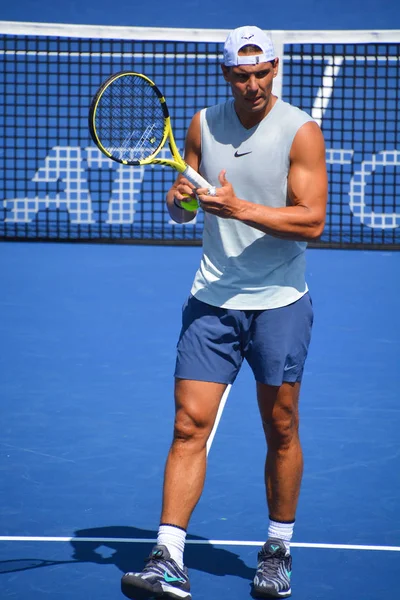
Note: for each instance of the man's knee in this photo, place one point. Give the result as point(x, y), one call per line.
point(196, 408)
point(279, 409)
point(192, 427)
point(281, 431)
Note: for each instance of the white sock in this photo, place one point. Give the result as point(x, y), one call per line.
point(282, 531)
point(173, 538)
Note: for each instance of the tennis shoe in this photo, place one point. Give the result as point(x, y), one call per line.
point(161, 578)
point(274, 568)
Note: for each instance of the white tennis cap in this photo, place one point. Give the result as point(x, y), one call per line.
point(242, 36)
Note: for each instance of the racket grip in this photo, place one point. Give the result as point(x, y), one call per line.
point(195, 178)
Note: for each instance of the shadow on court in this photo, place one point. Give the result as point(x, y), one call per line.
point(130, 556)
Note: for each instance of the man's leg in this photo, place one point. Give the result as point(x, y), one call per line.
point(278, 407)
point(284, 462)
point(196, 408)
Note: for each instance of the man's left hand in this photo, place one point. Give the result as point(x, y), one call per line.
point(224, 204)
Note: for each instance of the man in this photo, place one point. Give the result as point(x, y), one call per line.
point(249, 300)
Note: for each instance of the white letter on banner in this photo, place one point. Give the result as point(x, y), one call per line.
point(126, 185)
point(358, 184)
point(63, 163)
point(339, 156)
point(321, 102)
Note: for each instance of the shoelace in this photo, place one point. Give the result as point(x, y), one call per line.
point(151, 561)
point(270, 562)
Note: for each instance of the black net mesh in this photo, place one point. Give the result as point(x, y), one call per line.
point(56, 185)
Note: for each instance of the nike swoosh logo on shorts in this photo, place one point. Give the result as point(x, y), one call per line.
point(287, 368)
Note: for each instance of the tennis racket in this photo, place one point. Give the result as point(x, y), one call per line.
point(129, 122)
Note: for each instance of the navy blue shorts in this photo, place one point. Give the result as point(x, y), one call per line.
point(214, 342)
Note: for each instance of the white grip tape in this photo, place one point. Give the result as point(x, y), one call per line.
point(195, 178)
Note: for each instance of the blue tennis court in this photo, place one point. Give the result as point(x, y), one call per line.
point(89, 338)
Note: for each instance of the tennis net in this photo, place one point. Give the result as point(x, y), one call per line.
point(56, 185)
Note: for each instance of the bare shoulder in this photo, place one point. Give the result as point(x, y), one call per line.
point(194, 127)
point(308, 143)
point(193, 136)
point(193, 142)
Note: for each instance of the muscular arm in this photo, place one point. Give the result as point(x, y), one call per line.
point(181, 185)
point(304, 218)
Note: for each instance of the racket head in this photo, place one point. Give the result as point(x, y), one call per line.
point(129, 119)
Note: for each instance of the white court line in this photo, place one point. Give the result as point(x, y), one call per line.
point(22, 538)
point(218, 417)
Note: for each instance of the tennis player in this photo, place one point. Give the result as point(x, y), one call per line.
point(249, 300)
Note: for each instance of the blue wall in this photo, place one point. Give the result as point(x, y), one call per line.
point(223, 14)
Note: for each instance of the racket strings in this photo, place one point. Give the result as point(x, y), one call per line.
point(129, 119)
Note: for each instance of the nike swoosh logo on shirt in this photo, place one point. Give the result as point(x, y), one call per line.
point(237, 154)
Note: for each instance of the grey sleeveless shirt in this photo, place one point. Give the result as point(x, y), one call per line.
point(241, 267)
